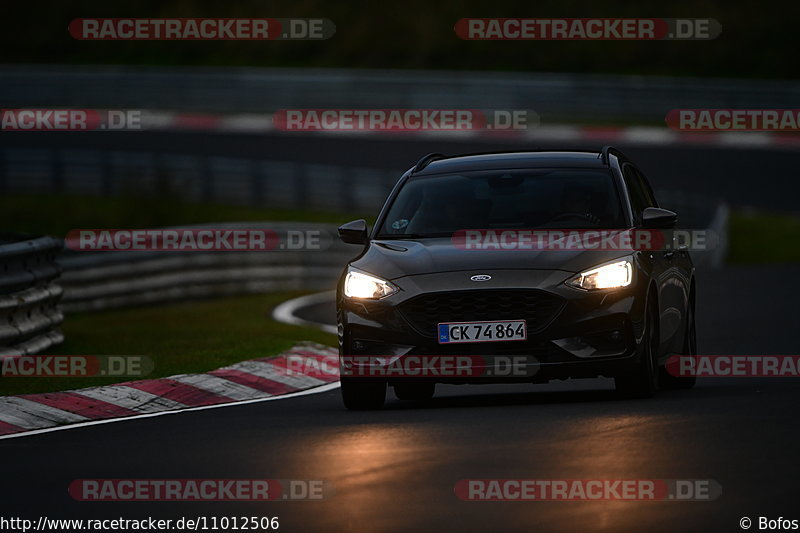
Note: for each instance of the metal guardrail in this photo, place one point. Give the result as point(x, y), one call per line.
point(29, 310)
point(552, 96)
point(104, 280)
point(196, 178)
point(235, 181)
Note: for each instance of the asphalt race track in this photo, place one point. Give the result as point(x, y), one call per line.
point(395, 470)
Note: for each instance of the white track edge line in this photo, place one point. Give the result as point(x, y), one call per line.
point(284, 312)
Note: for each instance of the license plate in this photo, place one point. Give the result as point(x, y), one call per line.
point(499, 331)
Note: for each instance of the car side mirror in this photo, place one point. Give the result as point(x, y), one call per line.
point(354, 232)
point(657, 218)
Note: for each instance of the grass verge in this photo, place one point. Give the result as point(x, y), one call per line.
point(188, 337)
point(762, 238)
point(51, 214)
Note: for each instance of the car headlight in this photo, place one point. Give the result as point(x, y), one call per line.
point(610, 276)
point(360, 285)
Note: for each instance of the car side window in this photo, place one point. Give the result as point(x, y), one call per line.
point(639, 200)
point(646, 189)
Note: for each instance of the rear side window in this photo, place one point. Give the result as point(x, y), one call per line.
point(641, 197)
point(646, 189)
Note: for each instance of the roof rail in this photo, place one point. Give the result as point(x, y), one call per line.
point(422, 163)
point(606, 150)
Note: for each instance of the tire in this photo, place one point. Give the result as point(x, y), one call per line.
point(415, 392)
point(363, 395)
point(689, 348)
point(642, 382)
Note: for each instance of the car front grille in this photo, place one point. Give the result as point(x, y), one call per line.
point(536, 307)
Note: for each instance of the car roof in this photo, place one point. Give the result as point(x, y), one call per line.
point(514, 160)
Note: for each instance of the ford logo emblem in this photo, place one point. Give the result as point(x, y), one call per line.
point(481, 277)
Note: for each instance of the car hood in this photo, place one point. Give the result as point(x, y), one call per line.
point(394, 259)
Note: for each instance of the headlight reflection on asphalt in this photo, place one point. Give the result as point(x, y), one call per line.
point(368, 467)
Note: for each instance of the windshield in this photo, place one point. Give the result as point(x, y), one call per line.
point(438, 206)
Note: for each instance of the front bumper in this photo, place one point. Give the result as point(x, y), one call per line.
point(571, 333)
